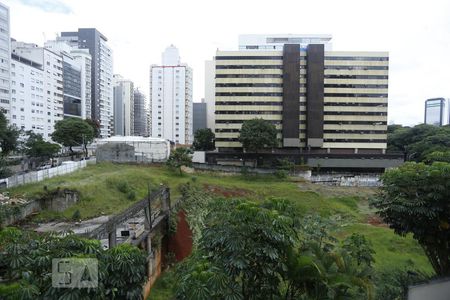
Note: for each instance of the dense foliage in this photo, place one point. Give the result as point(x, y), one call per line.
point(72, 132)
point(415, 198)
point(258, 134)
point(9, 136)
point(35, 146)
point(26, 265)
point(204, 140)
point(245, 250)
point(419, 141)
point(178, 158)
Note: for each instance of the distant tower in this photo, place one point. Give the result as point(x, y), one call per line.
point(171, 98)
point(437, 111)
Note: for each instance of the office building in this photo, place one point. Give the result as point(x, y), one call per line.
point(199, 115)
point(171, 99)
point(323, 101)
point(5, 61)
point(101, 74)
point(36, 88)
point(210, 94)
point(271, 42)
point(140, 114)
point(437, 111)
point(123, 106)
point(76, 71)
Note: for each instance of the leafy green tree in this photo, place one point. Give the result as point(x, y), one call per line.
point(258, 134)
point(35, 146)
point(204, 140)
point(443, 156)
point(178, 158)
point(72, 132)
point(419, 141)
point(415, 198)
point(395, 283)
point(26, 265)
point(95, 126)
point(9, 136)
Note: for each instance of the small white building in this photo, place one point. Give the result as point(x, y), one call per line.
point(146, 148)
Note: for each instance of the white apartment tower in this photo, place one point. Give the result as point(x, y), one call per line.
point(171, 99)
point(5, 58)
point(36, 88)
point(123, 106)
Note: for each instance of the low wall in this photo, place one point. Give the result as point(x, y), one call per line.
point(59, 201)
point(347, 180)
point(239, 169)
point(37, 176)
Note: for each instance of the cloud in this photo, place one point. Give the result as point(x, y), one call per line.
point(51, 6)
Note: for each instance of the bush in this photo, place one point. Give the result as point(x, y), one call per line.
point(76, 215)
point(131, 195)
point(281, 174)
point(123, 187)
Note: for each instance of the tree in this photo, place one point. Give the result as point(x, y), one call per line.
point(9, 136)
point(26, 266)
point(72, 132)
point(204, 140)
point(438, 156)
point(257, 134)
point(178, 158)
point(415, 198)
point(95, 125)
point(36, 147)
point(418, 141)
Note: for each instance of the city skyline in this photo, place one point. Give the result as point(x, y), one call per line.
point(137, 43)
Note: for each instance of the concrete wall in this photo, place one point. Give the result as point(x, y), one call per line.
point(115, 152)
point(380, 163)
point(439, 290)
point(43, 174)
point(347, 180)
point(238, 169)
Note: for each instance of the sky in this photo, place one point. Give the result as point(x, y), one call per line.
point(415, 33)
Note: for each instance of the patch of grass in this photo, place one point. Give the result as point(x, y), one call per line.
point(391, 250)
point(163, 288)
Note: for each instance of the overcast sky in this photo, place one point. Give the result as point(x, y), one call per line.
point(416, 34)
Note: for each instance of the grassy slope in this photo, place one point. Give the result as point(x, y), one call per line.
point(97, 185)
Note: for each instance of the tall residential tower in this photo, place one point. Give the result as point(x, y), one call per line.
point(5, 60)
point(101, 74)
point(171, 99)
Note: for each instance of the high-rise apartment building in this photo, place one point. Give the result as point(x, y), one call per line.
point(36, 88)
point(5, 60)
point(140, 114)
point(123, 106)
point(210, 94)
point(319, 100)
point(76, 65)
point(101, 74)
point(171, 99)
point(437, 111)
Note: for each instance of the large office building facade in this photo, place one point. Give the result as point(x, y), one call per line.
point(325, 101)
point(101, 74)
point(437, 111)
point(171, 99)
point(141, 115)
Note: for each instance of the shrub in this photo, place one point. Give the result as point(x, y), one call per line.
point(76, 215)
point(131, 195)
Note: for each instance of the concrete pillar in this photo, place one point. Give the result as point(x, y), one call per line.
point(112, 238)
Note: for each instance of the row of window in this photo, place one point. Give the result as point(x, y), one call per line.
point(277, 112)
point(235, 130)
point(367, 86)
point(351, 58)
point(325, 122)
point(273, 103)
point(250, 94)
point(325, 140)
point(331, 76)
point(280, 67)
